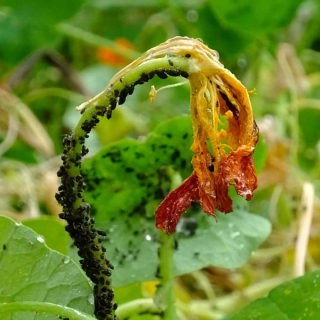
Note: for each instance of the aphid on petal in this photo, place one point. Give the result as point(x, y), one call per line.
point(215, 92)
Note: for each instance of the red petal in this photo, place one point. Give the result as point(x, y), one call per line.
point(176, 203)
point(236, 169)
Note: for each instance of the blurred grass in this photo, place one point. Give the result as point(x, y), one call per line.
point(273, 48)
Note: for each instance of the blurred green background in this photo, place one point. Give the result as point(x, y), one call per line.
point(55, 55)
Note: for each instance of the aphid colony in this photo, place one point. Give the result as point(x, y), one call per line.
point(80, 224)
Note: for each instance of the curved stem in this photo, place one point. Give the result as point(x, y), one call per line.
point(135, 307)
point(133, 77)
point(43, 307)
point(75, 210)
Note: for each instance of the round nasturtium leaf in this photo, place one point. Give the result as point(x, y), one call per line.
point(255, 16)
point(30, 271)
point(126, 181)
point(292, 300)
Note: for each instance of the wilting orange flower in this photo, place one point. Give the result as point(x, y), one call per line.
point(108, 56)
point(215, 91)
point(222, 157)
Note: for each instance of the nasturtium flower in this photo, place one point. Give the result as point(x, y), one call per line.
point(224, 131)
point(225, 135)
point(111, 58)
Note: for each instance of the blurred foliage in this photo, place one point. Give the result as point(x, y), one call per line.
point(296, 299)
point(55, 55)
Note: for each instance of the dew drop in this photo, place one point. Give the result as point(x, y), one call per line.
point(40, 239)
point(192, 15)
point(91, 299)
point(235, 234)
point(66, 259)
point(242, 63)
point(287, 291)
point(148, 237)
point(217, 54)
point(18, 224)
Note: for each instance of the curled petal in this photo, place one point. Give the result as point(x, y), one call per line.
point(224, 131)
point(235, 169)
point(176, 203)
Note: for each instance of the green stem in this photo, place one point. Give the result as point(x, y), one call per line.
point(135, 307)
point(201, 311)
point(167, 278)
point(97, 41)
point(103, 98)
point(76, 211)
point(165, 296)
point(44, 307)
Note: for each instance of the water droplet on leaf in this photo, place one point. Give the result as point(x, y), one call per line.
point(66, 259)
point(91, 299)
point(40, 239)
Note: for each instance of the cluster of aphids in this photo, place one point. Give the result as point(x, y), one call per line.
point(81, 228)
point(119, 97)
point(80, 224)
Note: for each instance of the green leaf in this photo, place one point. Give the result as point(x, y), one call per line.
point(29, 25)
point(170, 144)
point(133, 243)
point(226, 244)
point(43, 308)
point(30, 271)
point(293, 300)
point(255, 16)
point(127, 180)
point(218, 34)
point(260, 154)
point(21, 152)
point(128, 173)
point(140, 3)
point(309, 120)
point(53, 231)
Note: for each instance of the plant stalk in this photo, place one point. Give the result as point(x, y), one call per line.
point(166, 276)
point(76, 211)
point(137, 306)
